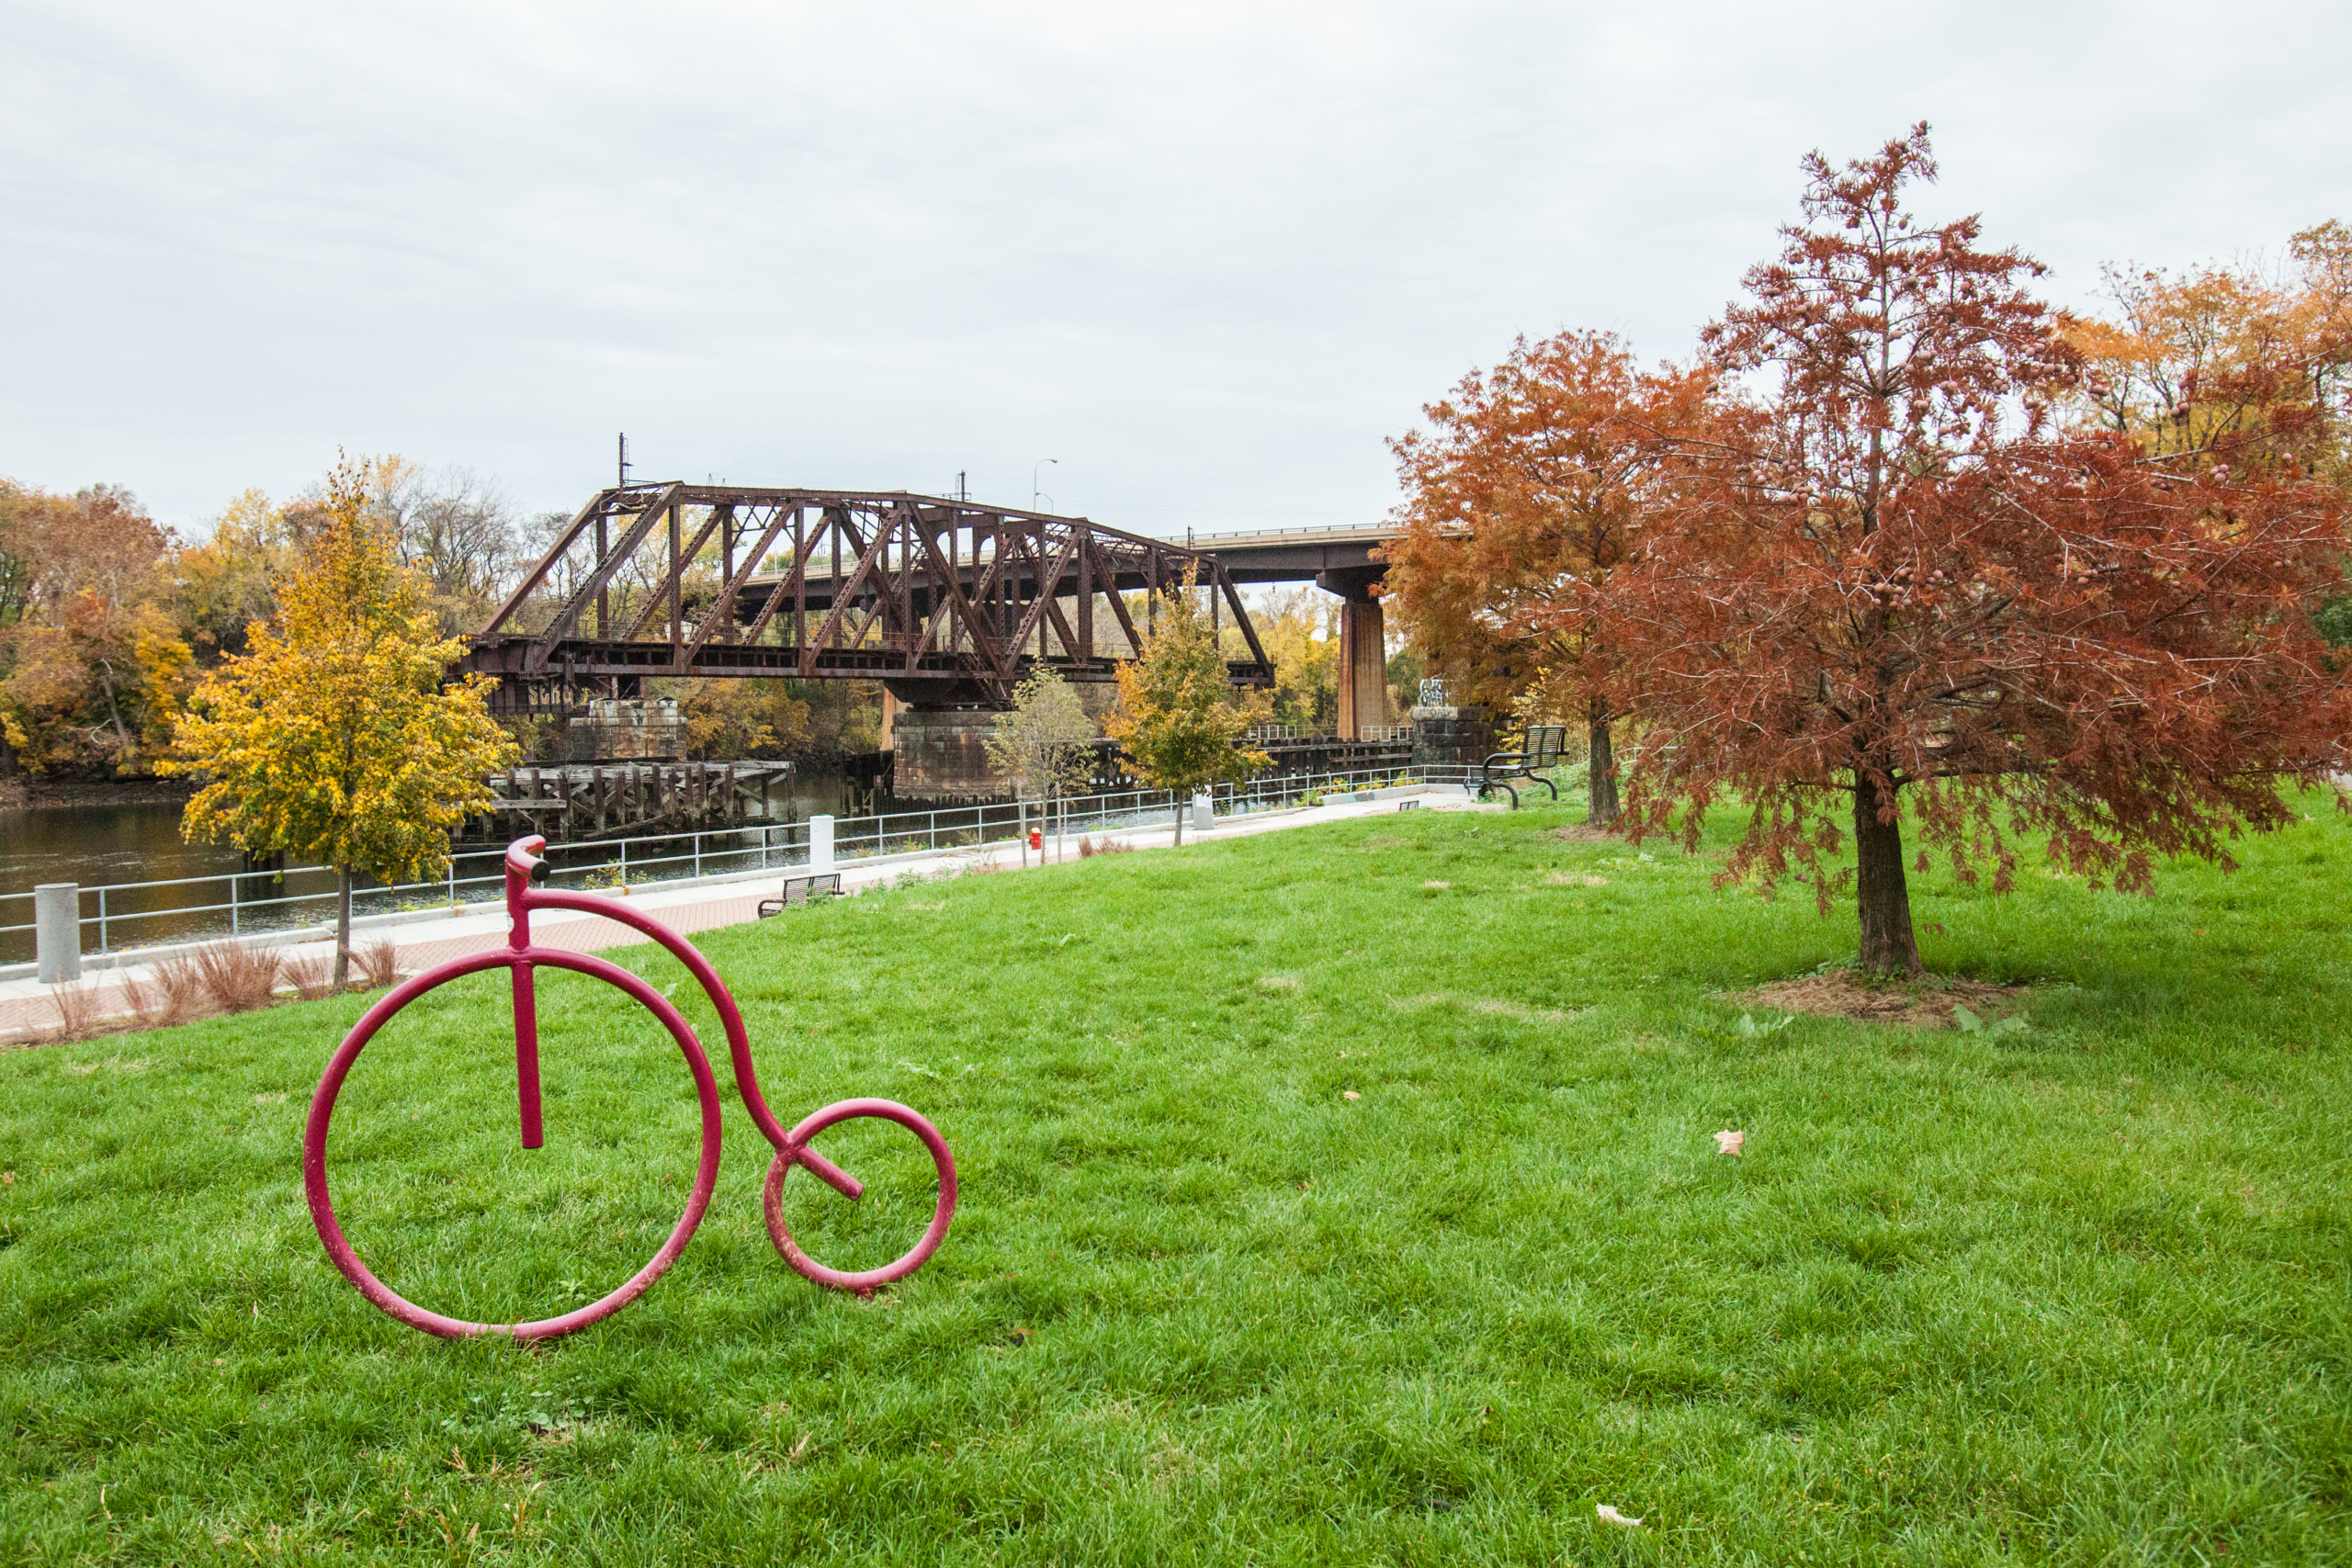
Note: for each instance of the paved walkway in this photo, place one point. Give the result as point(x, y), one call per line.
point(28, 1011)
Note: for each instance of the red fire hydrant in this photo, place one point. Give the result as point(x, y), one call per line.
point(1036, 838)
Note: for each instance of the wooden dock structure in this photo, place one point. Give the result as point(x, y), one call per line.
point(574, 802)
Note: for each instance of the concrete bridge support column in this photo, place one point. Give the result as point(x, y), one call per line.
point(1364, 667)
point(943, 754)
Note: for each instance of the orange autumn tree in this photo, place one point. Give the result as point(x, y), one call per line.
point(2245, 367)
point(2237, 364)
point(1527, 489)
point(1896, 588)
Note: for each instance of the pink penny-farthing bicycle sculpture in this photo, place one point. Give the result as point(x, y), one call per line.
point(524, 871)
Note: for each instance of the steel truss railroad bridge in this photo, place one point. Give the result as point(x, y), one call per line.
point(948, 603)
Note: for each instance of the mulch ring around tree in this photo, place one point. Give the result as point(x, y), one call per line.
point(1923, 1001)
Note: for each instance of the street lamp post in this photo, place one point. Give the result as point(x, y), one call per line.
point(1033, 491)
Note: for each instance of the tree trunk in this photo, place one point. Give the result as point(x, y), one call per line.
point(1882, 895)
point(342, 927)
point(105, 683)
point(1601, 778)
point(1183, 806)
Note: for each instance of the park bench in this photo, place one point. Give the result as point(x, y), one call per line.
point(799, 890)
point(1539, 749)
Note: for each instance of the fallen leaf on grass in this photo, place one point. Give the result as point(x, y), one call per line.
point(1609, 1516)
point(1730, 1142)
point(1349, 1094)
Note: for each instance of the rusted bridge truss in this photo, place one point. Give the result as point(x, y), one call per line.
point(947, 602)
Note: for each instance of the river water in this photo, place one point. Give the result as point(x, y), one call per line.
point(139, 842)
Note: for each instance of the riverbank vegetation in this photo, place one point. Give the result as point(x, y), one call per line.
point(1350, 1194)
point(110, 619)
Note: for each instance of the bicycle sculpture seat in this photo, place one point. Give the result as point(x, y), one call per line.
point(525, 870)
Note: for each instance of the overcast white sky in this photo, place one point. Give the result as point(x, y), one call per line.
point(1208, 256)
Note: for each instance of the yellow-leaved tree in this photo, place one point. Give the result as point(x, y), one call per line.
point(1177, 718)
point(1300, 631)
point(333, 738)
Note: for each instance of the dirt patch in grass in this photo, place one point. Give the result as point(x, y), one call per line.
point(1496, 1006)
point(1584, 833)
point(1926, 1002)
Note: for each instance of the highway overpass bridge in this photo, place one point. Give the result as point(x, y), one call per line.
point(1338, 560)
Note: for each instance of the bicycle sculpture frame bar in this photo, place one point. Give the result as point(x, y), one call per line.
point(524, 871)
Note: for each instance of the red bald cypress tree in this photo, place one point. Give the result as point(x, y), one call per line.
point(1896, 579)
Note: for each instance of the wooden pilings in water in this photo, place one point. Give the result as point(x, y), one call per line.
point(577, 801)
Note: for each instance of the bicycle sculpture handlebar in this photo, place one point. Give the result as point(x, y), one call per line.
point(526, 873)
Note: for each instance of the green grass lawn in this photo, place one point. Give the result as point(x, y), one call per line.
point(2075, 1292)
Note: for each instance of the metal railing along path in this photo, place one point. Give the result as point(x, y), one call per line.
point(133, 915)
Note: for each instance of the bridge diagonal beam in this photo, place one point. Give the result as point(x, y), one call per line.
point(984, 588)
point(1108, 571)
point(948, 592)
point(722, 612)
point(893, 589)
point(1241, 617)
point(658, 602)
point(1049, 581)
point(595, 508)
point(1060, 624)
point(886, 588)
point(795, 585)
point(843, 593)
point(568, 618)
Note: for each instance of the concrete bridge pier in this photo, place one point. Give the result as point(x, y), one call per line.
point(1364, 649)
point(1364, 668)
point(942, 754)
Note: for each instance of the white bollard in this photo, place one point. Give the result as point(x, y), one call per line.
point(821, 843)
point(1203, 811)
point(57, 931)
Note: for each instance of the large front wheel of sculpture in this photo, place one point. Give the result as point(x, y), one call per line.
point(314, 1169)
point(865, 1282)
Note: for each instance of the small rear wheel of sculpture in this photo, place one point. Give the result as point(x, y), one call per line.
point(865, 1282)
point(314, 1169)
